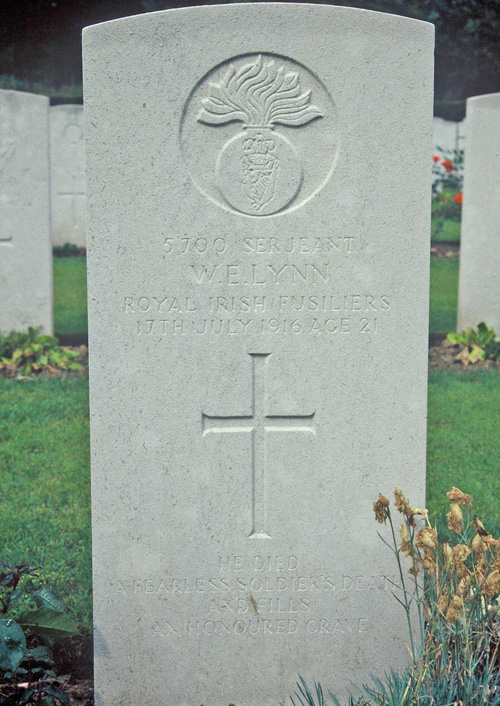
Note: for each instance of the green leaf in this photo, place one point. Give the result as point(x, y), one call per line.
point(25, 698)
point(49, 341)
point(48, 623)
point(477, 353)
point(15, 595)
point(12, 645)
point(48, 701)
point(40, 654)
point(6, 579)
point(58, 693)
point(48, 598)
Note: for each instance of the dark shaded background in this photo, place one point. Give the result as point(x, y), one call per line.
point(40, 42)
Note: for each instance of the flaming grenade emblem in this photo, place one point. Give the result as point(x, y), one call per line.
point(259, 171)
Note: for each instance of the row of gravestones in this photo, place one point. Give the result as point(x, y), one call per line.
point(42, 187)
point(42, 202)
point(24, 120)
point(258, 188)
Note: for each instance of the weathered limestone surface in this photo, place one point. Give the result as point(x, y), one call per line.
point(258, 288)
point(25, 247)
point(479, 280)
point(67, 173)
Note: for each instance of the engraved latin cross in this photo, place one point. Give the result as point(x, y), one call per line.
point(73, 194)
point(258, 424)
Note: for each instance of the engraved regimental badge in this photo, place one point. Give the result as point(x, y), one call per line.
point(258, 171)
point(267, 112)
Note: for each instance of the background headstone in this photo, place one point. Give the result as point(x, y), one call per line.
point(25, 247)
point(258, 297)
point(67, 171)
point(448, 136)
point(479, 278)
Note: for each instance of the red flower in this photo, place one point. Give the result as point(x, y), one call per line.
point(458, 198)
point(448, 165)
point(436, 158)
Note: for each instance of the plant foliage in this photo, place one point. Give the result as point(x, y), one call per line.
point(29, 353)
point(476, 345)
point(28, 608)
point(454, 587)
point(68, 250)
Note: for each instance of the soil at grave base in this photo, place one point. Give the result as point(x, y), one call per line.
point(442, 354)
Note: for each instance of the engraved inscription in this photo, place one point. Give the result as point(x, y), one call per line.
point(257, 424)
point(258, 593)
point(275, 140)
point(270, 316)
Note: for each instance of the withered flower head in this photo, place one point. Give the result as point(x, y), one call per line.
point(493, 542)
point(464, 585)
point(429, 561)
point(455, 518)
point(453, 614)
point(479, 527)
point(456, 496)
point(401, 502)
point(491, 584)
point(478, 545)
point(427, 538)
point(442, 602)
point(447, 554)
point(380, 508)
point(459, 554)
point(405, 540)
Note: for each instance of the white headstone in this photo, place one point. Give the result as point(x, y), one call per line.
point(25, 247)
point(479, 278)
point(448, 136)
point(67, 171)
point(258, 289)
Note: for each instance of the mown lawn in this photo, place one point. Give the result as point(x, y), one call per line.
point(463, 441)
point(445, 229)
point(45, 484)
point(443, 295)
point(45, 478)
point(70, 295)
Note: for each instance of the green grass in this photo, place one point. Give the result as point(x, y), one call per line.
point(445, 229)
point(463, 444)
point(443, 295)
point(45, 484)
point(70, 295)
point(45, 478)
